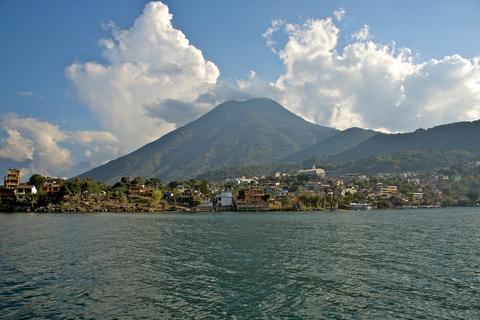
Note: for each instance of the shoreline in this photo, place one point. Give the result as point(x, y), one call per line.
point(324, 211)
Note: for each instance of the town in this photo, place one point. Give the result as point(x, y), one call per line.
point(304, 190)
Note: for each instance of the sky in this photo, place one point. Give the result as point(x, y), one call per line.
point(84, 82)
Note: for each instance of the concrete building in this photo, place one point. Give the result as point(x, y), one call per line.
point(252, 199)
point(136, 189)
point(349, 189)
point(52, 186)
point(23, 192)
point(224, 201)
point(12, 179)
point(384, 191)
point(313, 172)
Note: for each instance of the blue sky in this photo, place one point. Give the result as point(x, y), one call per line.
point(40, 39)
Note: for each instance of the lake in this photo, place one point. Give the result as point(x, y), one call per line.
point(377, 264)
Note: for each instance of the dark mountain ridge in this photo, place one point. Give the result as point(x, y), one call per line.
point(459, 136)
point(333, 145)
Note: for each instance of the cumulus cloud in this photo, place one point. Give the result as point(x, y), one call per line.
point(147, 67)
point(15, 147)
point(47, 149)
point(36, 141)
point(153, 80)
point(251, 87)
point(363, 34)
point(95, 146)
point(371, 84)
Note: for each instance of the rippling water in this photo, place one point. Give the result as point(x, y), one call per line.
point(383, 264)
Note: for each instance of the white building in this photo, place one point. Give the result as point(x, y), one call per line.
point(23, 192)
point(224, 200)
point(206, 205)
point(320, 173)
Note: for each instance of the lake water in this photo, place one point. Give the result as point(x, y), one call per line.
point(380, 264)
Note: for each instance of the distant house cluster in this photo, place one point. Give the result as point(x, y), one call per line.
point(22, 196)
point(22, 193)
point(306, 189)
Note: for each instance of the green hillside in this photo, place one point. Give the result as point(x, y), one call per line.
point(333, 145)
point(459, 136)
point(232, 134)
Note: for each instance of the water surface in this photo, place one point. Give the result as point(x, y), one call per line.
point(381, 264)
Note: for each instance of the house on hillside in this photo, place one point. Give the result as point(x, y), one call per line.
point(252, 199)
point(52, 186)
point(313, 172)
point(12, 179)
point(24, 193)
point(384, 192)
point(137, 189)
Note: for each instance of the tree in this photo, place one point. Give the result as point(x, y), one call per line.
point(153, 182)
point(157, 195)
point(204, 187)
point(173, 184)
point(138, 181)
point(472, 195)
point(37, 180)
point(196, 201)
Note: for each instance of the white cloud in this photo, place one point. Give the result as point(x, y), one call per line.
point(96, 146)
point(153, 80)
point(267, 35)
point(24, 93)
point(148, 65)
point(363, 34)
point(370, 84)
point(251, 87)
point(15, 147)
point(339, 14)
point(39, 142)
point(48, 150)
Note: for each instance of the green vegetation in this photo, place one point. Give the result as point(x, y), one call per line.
point(333, 145)
point(37, 180)
point(259, 137)
point(455, 185)
point(233, 134)
point(455, 136)
point(405, 161)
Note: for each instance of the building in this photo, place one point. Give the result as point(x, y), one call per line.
point(12, 179)
point(205, 205)
point(313, 172)
point(252, 199)
point(359, 206)
point(243, 180)
point(224, 201)
point(136, 189)
point(349, 189)
point(24, 192)
point(384, 191)
point(52, 186)
point(417, 195)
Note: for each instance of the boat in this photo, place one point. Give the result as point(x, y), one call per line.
point(359, 206)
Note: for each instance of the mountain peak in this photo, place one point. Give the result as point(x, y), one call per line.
point(259, 104)
point(248, 132)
